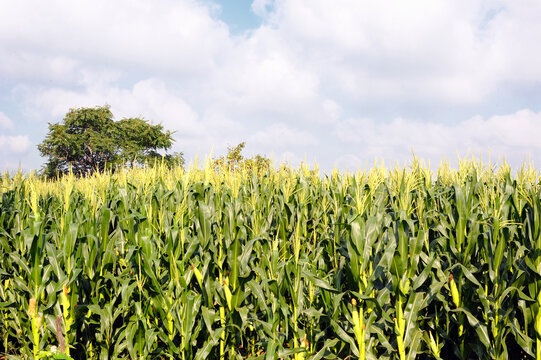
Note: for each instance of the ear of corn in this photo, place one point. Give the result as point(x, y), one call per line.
point(206, 264)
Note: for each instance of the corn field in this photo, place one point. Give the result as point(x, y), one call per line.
point(400, 263)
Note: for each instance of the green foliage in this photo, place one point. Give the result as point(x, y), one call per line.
point(235, 161)
point(89, 140)
point(164, 263)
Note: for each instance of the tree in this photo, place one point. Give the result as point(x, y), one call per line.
point(89, 140)
point(234, 160)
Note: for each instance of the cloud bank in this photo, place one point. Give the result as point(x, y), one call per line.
point(342, 81)
point(514, 136)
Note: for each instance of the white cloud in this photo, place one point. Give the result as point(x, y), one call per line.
point(513, 32)
point(456, 52)
point(513, 135)
point(5, 121)
point(422, 51)
point(261, 74)
point(290, 158)
point(419, 51)
point(280, 136)
point(14, 145)
point(332, 109)
point(311, 65)
point(349, 162)
point(150, 99)
point(262, 7)
point(176, 36)
point(72, 47)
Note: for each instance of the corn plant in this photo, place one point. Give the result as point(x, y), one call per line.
point(221, 263)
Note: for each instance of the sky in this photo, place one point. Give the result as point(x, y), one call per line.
point(341, 82)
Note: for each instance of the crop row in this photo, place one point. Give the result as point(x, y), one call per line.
point(157, 263)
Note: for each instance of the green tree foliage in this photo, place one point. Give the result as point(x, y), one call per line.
point(234, 160)
point(89, 140)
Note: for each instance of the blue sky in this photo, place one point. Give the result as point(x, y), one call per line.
point(344, 82)
point(238, 15)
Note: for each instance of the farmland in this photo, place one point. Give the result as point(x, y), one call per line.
point(397, 263)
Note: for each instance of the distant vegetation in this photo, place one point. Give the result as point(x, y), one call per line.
point(235, 161)
point(88, 140)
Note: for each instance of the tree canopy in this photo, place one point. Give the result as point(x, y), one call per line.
point(88, 140)
point(234, 160)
